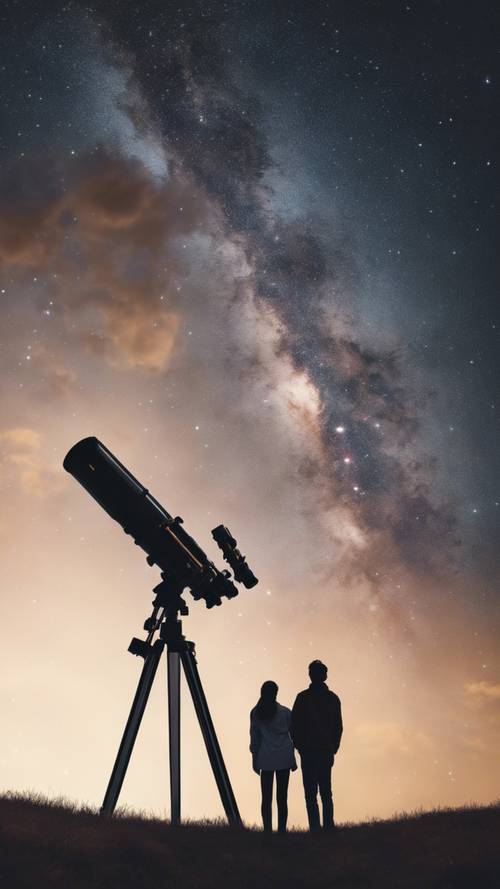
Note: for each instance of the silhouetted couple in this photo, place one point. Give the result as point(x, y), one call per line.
point(314, 728)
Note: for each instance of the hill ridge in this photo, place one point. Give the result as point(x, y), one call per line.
point(53, 844)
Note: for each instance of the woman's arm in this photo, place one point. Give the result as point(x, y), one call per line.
point(255, 742)
point(255, 735)
point(298, 722)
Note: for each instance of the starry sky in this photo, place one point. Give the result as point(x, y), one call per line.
point(252, 247)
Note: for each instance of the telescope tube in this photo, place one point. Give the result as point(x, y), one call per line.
point(130, 504)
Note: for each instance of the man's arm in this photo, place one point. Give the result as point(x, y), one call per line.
point(297, 728)
point(338, 725)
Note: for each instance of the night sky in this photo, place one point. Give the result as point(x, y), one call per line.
point(253, 248)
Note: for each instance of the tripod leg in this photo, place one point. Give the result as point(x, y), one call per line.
point(208, 731)
point(131, 729)
point(174, 734)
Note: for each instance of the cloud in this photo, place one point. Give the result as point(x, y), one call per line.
point(388, 738)
point(52, 377)
point(25, 465)
point(31, 195)
point(108, 246)
point(477, 745)
point(20, 437)
point(135, 338)
point(482, 692)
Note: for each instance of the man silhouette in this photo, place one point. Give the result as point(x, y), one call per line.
point(316, 733)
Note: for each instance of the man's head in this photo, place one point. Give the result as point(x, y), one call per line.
point(317, 672)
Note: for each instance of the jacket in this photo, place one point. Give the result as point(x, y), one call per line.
point(317, 719)
point(270, 741)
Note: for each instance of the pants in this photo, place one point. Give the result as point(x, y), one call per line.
point(317, 775)
point(266, 784)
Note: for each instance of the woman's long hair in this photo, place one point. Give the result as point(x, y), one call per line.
point(266, 706)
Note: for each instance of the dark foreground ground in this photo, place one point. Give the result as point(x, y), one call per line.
point(49, 845)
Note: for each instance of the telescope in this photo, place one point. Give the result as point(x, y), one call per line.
point(183, 565)
point(162, 537)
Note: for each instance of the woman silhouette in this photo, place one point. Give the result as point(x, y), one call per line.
point(272, 751)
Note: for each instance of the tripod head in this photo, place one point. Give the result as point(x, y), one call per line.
point(161, 536)
point(168, 605)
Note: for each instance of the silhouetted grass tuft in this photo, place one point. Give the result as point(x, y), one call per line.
point(53, 844)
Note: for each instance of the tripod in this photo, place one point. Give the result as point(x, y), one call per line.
point(165, 619)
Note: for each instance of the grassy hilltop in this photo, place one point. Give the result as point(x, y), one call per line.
point(53, 846)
